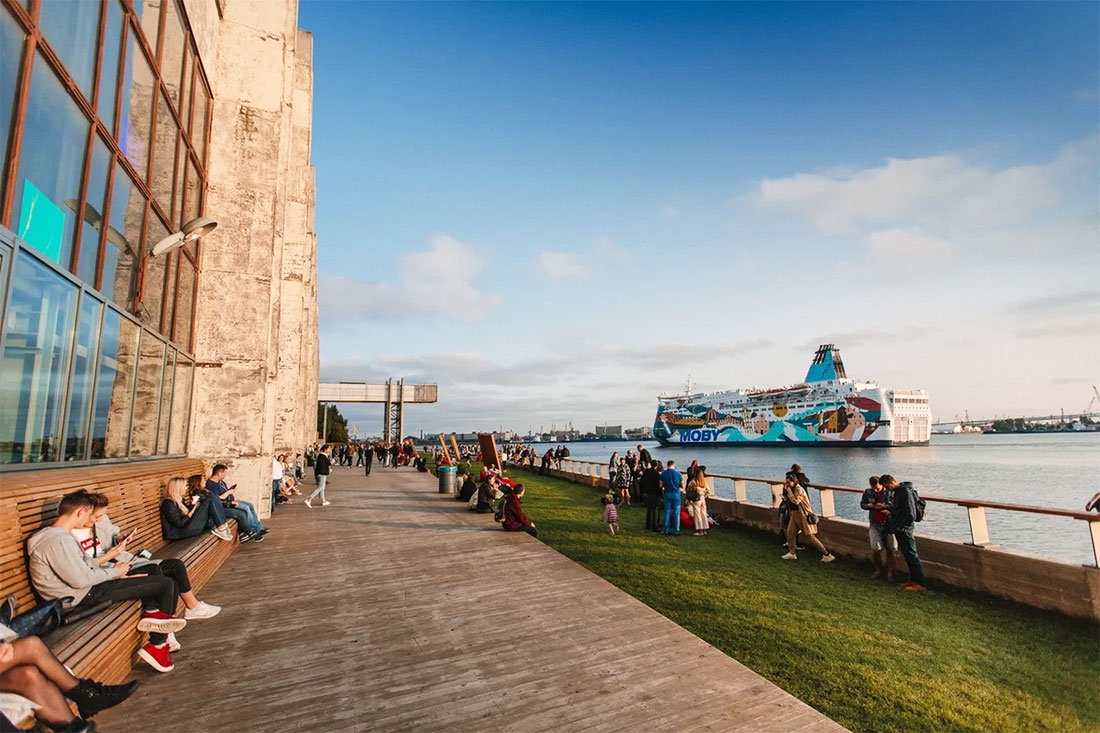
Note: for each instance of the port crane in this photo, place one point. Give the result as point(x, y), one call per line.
point(1094, 401)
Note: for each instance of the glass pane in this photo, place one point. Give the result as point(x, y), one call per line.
point(38, 337)
point(164, 156)
point(181, 406)
point(108, 81)
point(143, 437)
point(171, 61)
point(123, 239)
point(80, 388)
point(198, 121)
point(114, 389)
point(148, 15)
point(137, 107)
point(11, 51)
point(166, 402)
point(177, 197)
point(70, 27)
point(152, 297)
point(185, 298)
point(184, 104)
point(47, 188)
point(93, 211)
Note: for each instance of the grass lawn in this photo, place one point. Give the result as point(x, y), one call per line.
point(865, 653)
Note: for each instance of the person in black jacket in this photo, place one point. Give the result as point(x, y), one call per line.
point(467, 487)
point(179, 520)
point(903, 512)
point(368, 457)
point(321, 470)
point(650, 484)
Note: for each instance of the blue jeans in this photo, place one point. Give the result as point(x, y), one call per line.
point(245, 514)
point(217, 511)
point(275, 484)
point(908, 546)
point(672, 512)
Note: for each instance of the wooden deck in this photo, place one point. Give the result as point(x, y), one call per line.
point(396, 609)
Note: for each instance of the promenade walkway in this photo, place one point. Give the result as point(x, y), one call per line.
point(395, 609)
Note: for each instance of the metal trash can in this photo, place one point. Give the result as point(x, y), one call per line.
point(448, 475)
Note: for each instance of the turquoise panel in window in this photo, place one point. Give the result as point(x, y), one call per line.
point(38, 333)
point(51, 161)
point(70, 27)
point(41, 223)
point(11, 51)
point(80, 386)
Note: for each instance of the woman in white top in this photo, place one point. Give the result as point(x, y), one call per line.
point(698, 508)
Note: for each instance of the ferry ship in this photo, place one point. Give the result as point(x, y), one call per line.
point(827, 408)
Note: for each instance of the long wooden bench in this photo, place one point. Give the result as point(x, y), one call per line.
point(103, 646)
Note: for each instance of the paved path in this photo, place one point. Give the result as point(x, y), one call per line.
point(395, 609)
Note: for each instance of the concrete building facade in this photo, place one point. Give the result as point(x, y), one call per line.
point(123, 122)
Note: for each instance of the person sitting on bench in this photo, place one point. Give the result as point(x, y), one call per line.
point(243, 511)
point(29, 669)
point(58, 570)
point(179, 521)
point(102, 548)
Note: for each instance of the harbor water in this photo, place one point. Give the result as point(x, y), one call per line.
point(1040, 469)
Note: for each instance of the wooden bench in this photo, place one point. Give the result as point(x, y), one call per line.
point(102, 646)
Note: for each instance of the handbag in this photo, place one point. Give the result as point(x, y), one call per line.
point(811, 518)
point(39, 621)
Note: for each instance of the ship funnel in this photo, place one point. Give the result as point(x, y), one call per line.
point(826, 365)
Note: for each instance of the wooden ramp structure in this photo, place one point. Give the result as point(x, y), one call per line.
point(396, 609)
point(394, 395)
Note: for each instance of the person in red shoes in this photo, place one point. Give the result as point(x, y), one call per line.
point(58, 569)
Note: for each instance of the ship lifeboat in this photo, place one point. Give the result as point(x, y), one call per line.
point(795, 391)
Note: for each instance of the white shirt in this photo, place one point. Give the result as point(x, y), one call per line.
point(276, 470)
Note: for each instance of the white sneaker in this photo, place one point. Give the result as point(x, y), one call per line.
point(828, 558)
point(203, 610)
point(325, 503)
point(789, 556)
point(308, 504)
point(222, 534)
point(173, 643)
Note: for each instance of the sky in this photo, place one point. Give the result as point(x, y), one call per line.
point(558, 211)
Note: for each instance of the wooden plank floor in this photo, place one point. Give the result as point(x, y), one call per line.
point(396, 609)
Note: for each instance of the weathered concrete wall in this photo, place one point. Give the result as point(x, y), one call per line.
point(1017, 576)
point(256, 331)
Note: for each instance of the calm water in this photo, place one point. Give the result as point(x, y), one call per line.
point(1059, 470)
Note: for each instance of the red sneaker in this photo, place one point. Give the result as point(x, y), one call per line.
point(159, 621)
point(157, 657)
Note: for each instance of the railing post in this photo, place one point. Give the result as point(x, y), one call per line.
point(828, 504)
point(979, 532)
point(1094, 531)
point(740, 493)
point(777, 495)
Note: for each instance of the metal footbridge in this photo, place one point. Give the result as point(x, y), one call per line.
point(394, 394)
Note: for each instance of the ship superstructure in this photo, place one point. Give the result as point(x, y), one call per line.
point(827, 408)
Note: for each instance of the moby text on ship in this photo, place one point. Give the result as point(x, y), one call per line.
point(826, 409)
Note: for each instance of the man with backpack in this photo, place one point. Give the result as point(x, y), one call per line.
point(906, 509)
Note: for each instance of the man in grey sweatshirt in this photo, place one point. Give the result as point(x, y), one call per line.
point(58, 570)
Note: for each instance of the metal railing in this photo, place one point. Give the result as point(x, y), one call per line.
point(975, 508)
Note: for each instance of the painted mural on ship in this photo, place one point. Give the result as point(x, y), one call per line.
point(827, 408)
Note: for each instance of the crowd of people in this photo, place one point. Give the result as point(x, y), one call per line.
point(494, 494)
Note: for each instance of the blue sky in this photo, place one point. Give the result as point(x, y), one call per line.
point(556, 211)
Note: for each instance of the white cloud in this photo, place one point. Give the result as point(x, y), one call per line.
point(944, 192)
point(906, 245)
point(560, 265)
point(438, 281)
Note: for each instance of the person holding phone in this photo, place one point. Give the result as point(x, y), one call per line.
point(105, 545)
point(243, 511)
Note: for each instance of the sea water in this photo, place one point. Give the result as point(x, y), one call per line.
point(1040, 469)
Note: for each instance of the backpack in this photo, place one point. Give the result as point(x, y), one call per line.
point(921, 506)
point(693, 494)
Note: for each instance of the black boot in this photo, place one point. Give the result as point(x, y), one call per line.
point(91, 697)
point(76, 725)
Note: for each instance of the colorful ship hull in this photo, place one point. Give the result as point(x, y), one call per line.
point(827, 409)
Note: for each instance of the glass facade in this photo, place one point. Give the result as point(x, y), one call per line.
point(104, 122)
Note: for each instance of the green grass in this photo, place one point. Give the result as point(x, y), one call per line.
point(865, 653)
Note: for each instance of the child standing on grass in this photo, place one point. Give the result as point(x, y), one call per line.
point(610, 514)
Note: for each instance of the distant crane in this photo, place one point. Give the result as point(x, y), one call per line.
point(1094, 401)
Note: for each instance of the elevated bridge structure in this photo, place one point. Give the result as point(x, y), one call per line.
point(394, 394)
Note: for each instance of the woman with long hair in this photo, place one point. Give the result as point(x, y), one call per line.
point(184, 515)
point(801, 511)
point(697, 508)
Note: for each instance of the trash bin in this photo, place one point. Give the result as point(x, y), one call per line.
point(447, 477)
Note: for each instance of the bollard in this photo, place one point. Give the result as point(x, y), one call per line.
point(979, 531)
